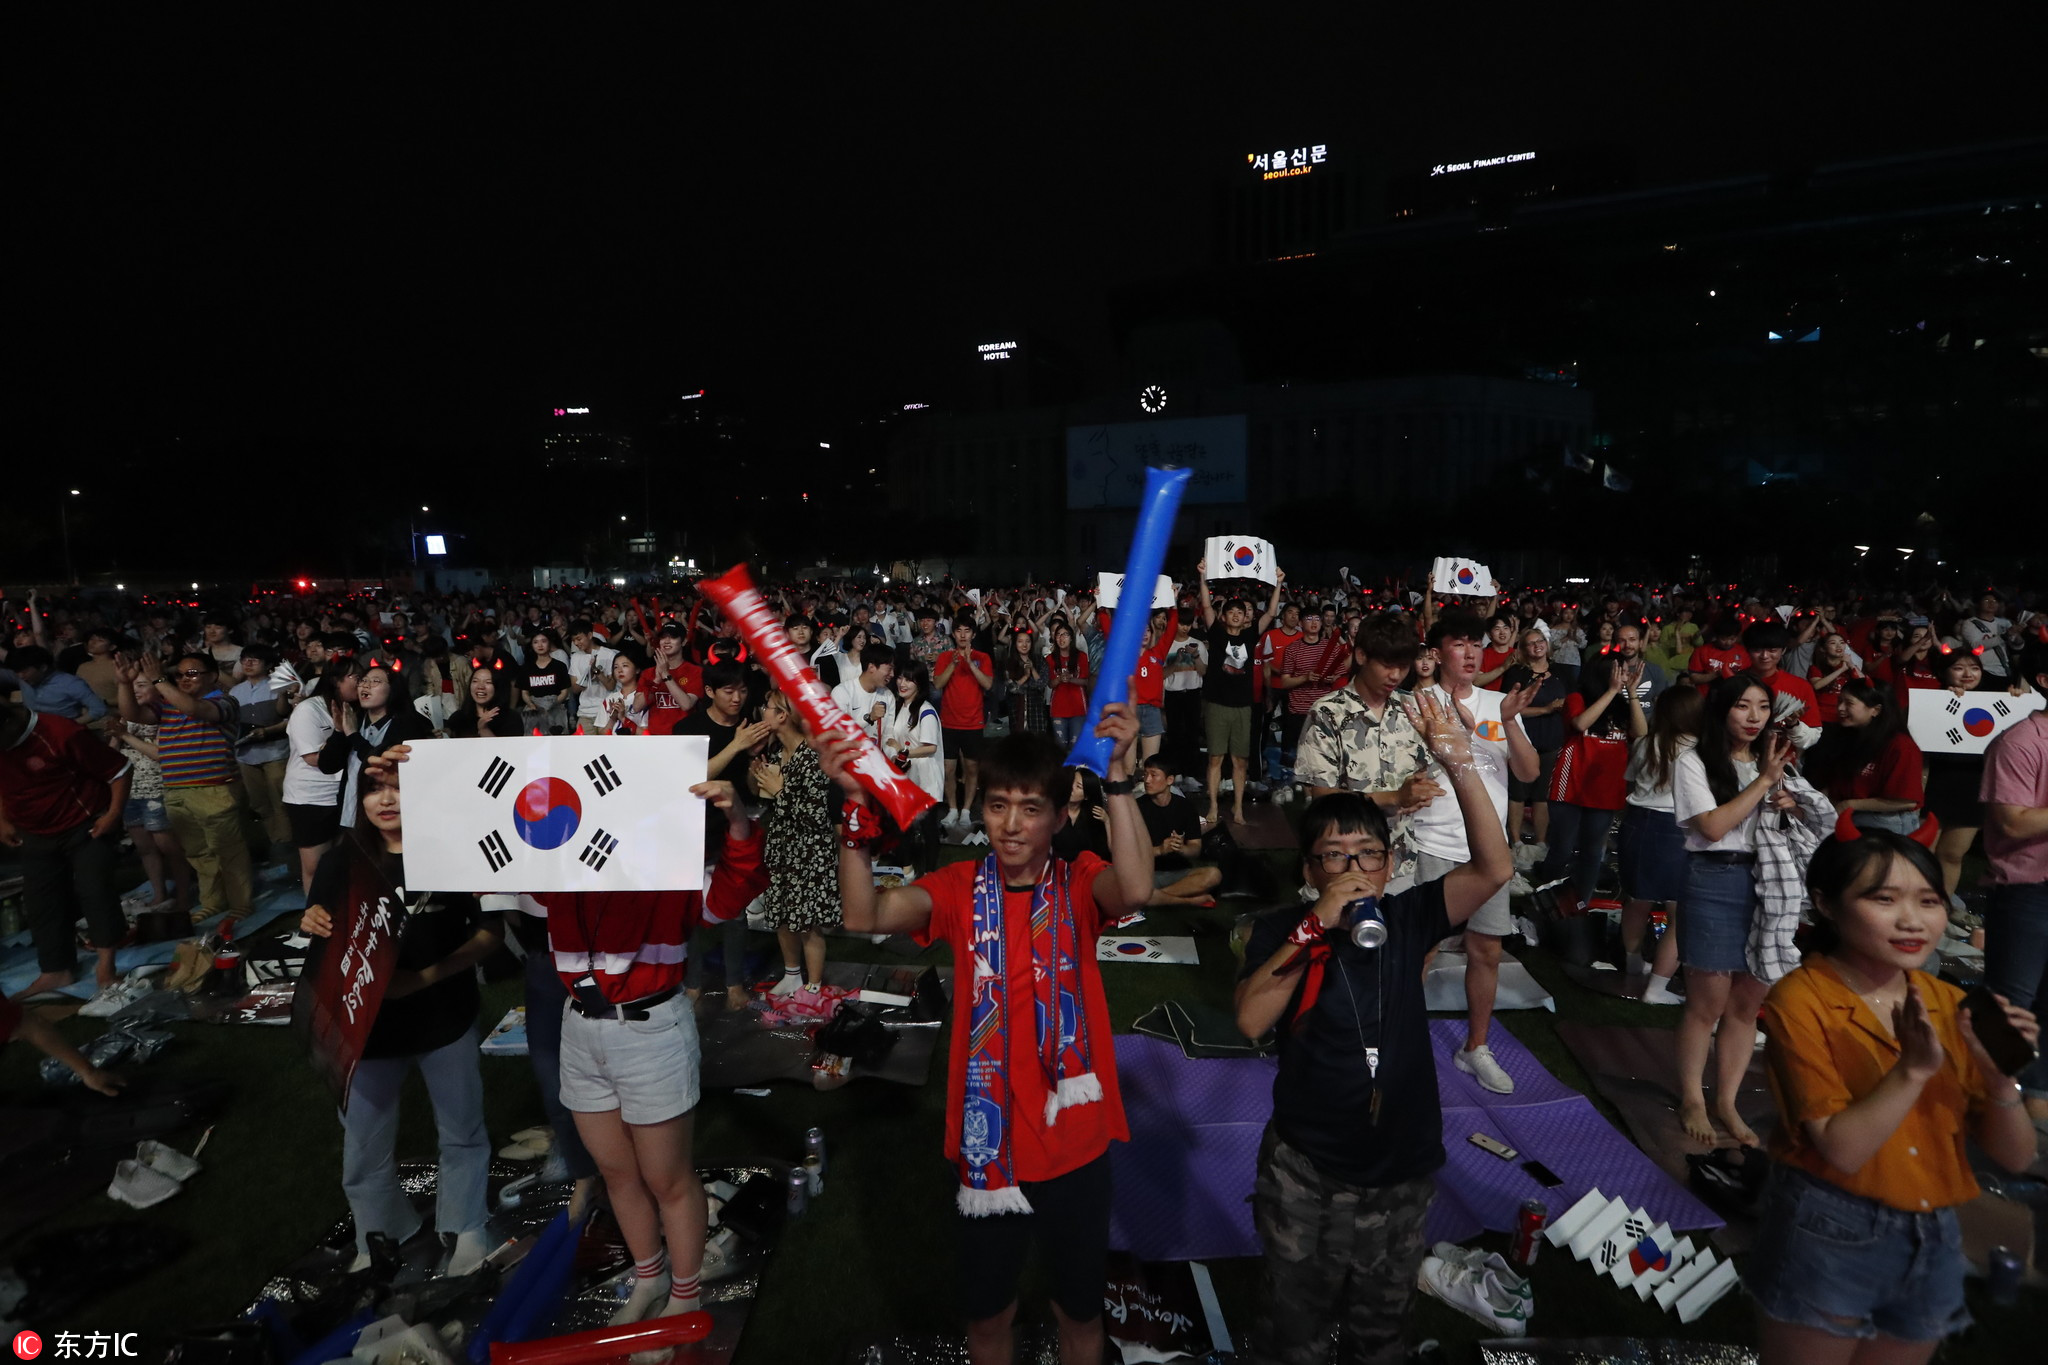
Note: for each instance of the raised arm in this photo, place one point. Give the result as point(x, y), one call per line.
point(866, 910)
point(1273, 605)
point(1130, 845)
point(1472, 883)
point(1208, 606)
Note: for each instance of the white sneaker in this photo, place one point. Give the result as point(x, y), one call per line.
point(115, 998)
point(1518, 885)
point(470, 1250)
point(646, 1297)
point(1476, 1259)
point(1475, 1293)
point(1478, 1063)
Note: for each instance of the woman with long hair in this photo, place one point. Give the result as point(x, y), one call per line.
point(382, 716)
point(1024, 672)
point(1567, 638)
point(621, 705)
point(1831, 670)
point(1954, 780)
point(1652, 845)
point(488, 712)
point(1423, 672)
point(1540, 718)
point(1720, 788)
point(312, 791)
point(1589, 785)
point(427, 1020)
point(1066, 667)
point(802, 900)
point(1879, 1075)
point(1867, 763)
point(914, 744)
point(1909, 667)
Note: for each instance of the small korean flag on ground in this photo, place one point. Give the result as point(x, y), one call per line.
point(1240, 557)
point(1168, 949)
point(1941, 722)
point(572, 813)
point(1462, 577)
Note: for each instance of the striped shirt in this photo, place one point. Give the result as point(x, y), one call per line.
point(194, 752)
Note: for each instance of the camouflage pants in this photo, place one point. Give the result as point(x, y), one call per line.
point(1340, 1259)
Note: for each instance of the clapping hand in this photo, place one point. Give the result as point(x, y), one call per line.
point(1441, 728)
point(1920, 1051)
point(1516, 699)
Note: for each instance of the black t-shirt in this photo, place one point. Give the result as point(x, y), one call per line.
point(1546, 733)
point(543, 680)
point(1177, 814)
point(437, 924)
point(738, 772)
point(1322, 1099)
point(1229, 679)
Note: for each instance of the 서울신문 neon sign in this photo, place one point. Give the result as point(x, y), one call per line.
point(1284, 163)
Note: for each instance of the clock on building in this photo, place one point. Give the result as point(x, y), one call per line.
point(1152, 398)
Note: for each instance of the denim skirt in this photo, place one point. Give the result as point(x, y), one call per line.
point(1652, 855)
point(1719, 902)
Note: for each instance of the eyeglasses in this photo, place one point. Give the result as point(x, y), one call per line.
point(1370, 860)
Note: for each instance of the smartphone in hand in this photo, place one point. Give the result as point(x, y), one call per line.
point(2007, 1046)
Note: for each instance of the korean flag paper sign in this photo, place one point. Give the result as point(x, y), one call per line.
point(1109, 591)
point(1941, 722)
point(572, 813)
point(1240, 557)
point(1462, 577)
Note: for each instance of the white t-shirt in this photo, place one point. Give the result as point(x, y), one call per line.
point(1691, 796)
point(1643, 790)
point(1990, 636)
point(1439, 827)
point(306, 733)
point(1197, 653)
point(858, 702)
point(928, 772)
point(590, 701)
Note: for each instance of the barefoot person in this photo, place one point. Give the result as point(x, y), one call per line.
point(1719, 789)
point(1881, 1083)
point(1344, 1181)
point(1031, 1111)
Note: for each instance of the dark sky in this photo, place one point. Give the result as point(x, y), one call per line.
point(389, 241)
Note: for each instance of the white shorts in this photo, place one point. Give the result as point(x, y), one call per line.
point(646, 1069)
point(1493, 917)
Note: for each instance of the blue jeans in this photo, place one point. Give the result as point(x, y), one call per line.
point(1578, 845)
point(1067, 729)
point(2016, 957)
point(369, 1136)
point(546, 998)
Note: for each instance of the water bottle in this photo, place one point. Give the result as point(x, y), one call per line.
point(814, 1160)
point(1368, 929)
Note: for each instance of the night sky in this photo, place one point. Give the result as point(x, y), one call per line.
point(322, 254)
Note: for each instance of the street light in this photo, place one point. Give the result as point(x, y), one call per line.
point(64, 520)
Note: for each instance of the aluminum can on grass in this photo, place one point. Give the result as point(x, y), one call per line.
point(1529, 1223)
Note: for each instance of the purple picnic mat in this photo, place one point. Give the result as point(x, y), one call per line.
point(1183, 1182)
point(1544, 1120)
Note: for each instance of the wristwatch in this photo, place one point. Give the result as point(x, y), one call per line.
point(1121, 788)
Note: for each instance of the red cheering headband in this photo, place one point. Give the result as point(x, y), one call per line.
point(1847, 829)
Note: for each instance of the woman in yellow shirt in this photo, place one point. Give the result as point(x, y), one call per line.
point(1879, 1078)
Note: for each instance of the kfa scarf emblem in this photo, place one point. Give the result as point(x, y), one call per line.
point(988, 1181)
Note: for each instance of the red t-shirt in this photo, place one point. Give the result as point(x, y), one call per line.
point(1082, 1132)
point(1829, 697)
point(1490, 659)
point(1722, 663)
point(57, 776)
point(1894, 776)
point(1301, 658)
point(1068, 699)
point(1601, 782)
point(1916, 675)
point(664, 712)
point(1272, 645)
point(1149, 689)
point(960, 705)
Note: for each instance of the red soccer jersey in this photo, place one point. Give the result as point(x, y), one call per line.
point(636, 943)
point(1149, 689)
point(664, 712)
point(1829, 697)
point(1602, 759)
point(960, 705)
point(1272, 645)
point(1785, 685)
point(57, 776)
point(1895, 775)
point(1068, 699)
point(1722, 663)
point(1490, 659)
point(1082, 1132)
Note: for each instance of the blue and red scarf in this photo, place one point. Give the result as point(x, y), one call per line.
point(988, 1181)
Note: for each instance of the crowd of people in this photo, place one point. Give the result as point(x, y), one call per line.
point(1446, 763)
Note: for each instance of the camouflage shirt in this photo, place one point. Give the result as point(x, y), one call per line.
point(1344, 747)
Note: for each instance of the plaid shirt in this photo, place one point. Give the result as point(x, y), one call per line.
point(1783, 848)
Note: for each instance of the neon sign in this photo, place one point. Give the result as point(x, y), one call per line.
point(572, 412)
point(997, 350)
point(1284, 163)
point(1451, 167)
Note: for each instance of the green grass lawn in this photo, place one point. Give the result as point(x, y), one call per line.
point(873, 1257)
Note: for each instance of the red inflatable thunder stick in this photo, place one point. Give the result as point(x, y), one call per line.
point(761, 628)
point(604, 1343)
